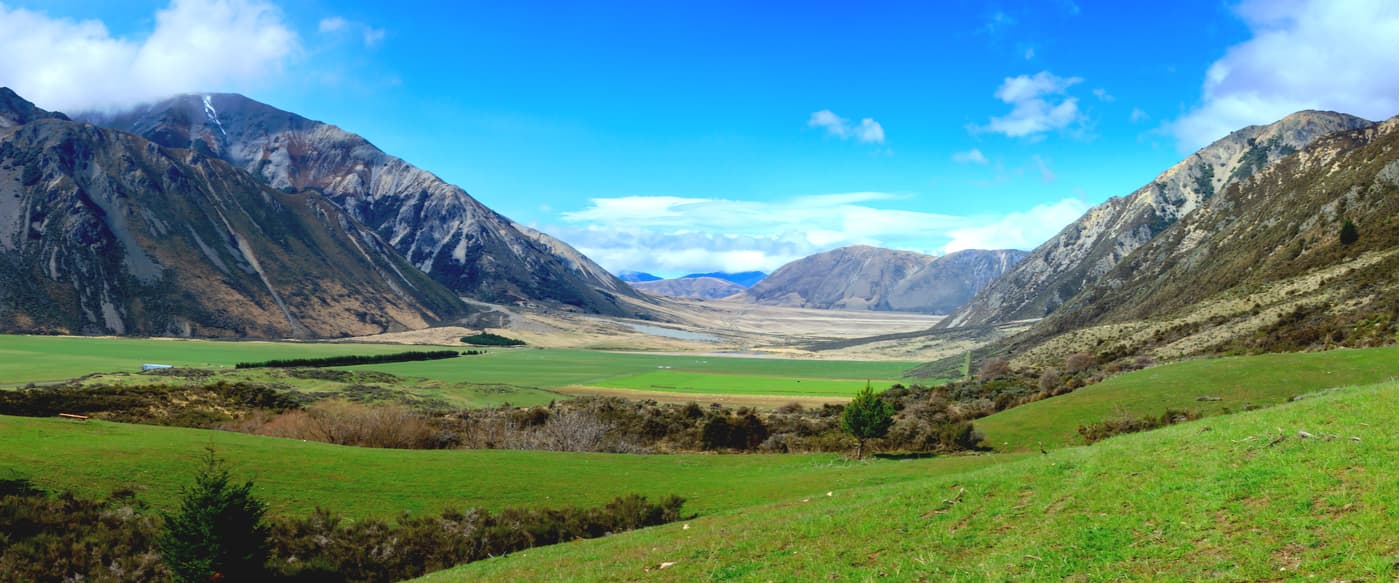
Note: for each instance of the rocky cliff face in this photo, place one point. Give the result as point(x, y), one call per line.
point(705, 288)
point(870, 278)
point(438, 227)
point(104, 232)
point(1263, 265)
point(1095, 244)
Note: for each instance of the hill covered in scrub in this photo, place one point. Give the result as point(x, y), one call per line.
point(1092, 246)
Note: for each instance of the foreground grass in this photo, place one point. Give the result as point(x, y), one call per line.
point(94, 458)
point(1210, 499)
point(1239, 382)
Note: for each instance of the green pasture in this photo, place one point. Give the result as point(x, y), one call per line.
point(467, 380)
point(25, 359)
point(1239, 382)
point(94, 458)
point(710, 383)
point(1233, 498)
point(558, 368)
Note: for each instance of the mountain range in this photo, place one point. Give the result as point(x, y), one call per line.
point(871, 278)
point(1092, 246)
point(1275, 238)
point(436, 226)
point(105, 232)
point(708, 286)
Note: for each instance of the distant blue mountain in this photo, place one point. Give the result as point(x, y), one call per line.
point(746, 279)
point(636, 276)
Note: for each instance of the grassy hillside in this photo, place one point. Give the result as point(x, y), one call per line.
point(1213, 499)
point(1240, 381)
point(95, 457)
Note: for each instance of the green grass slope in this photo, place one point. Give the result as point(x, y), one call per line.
point(1238, 381)
point(1215, 499)
point(94, 458)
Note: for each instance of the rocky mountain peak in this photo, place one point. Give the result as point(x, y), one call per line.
point(16, 110)
point(1091, 246)
point(437, 226)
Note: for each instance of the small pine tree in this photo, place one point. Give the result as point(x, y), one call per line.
point(866, 416)
point(219, 533)
point(1348, 234)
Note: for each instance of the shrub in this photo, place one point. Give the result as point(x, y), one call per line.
point(866, 416)
point(1348, 234)
point(1078, 362)
point(489, 339)
point(219, 530)
point(352, 359)
point(994, 368)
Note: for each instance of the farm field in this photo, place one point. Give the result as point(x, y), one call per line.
point(1246, 499)
point(94, 458)
point(1238, 382)
point(557, 368)
point(469, 380)
point(709, 383)
point(25, 359)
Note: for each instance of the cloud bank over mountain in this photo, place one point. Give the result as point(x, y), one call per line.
point(675, 235)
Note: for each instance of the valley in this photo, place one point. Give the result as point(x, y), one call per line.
point(1029, 343)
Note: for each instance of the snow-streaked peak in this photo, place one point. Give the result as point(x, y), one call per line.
point(213, 114)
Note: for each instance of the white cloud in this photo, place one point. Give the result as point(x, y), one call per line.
point(675, 235)
point(1038, 105)
point(1304, 54)
point(1103, 94)
point(1138, 116)
point(196, 45)
point(332, 24)
point(372, 36)
point(973, 156)
point(868, 131)
point(1025, 230)
point(369, 35)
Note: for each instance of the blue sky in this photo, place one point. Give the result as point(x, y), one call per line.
point(675, 137)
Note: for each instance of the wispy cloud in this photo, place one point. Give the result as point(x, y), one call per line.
point(866, 131)
point(1046, 175)
point(1018, 230)
point(370, 36)
point(673, 235)
point(1138, 116)
point(1039, 104)
point(1304, 54)
point(973, 156)
point(197, 45)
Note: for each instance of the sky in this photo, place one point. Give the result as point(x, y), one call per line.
point(695, 136)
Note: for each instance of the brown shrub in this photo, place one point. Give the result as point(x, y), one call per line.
point(1078, 362)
